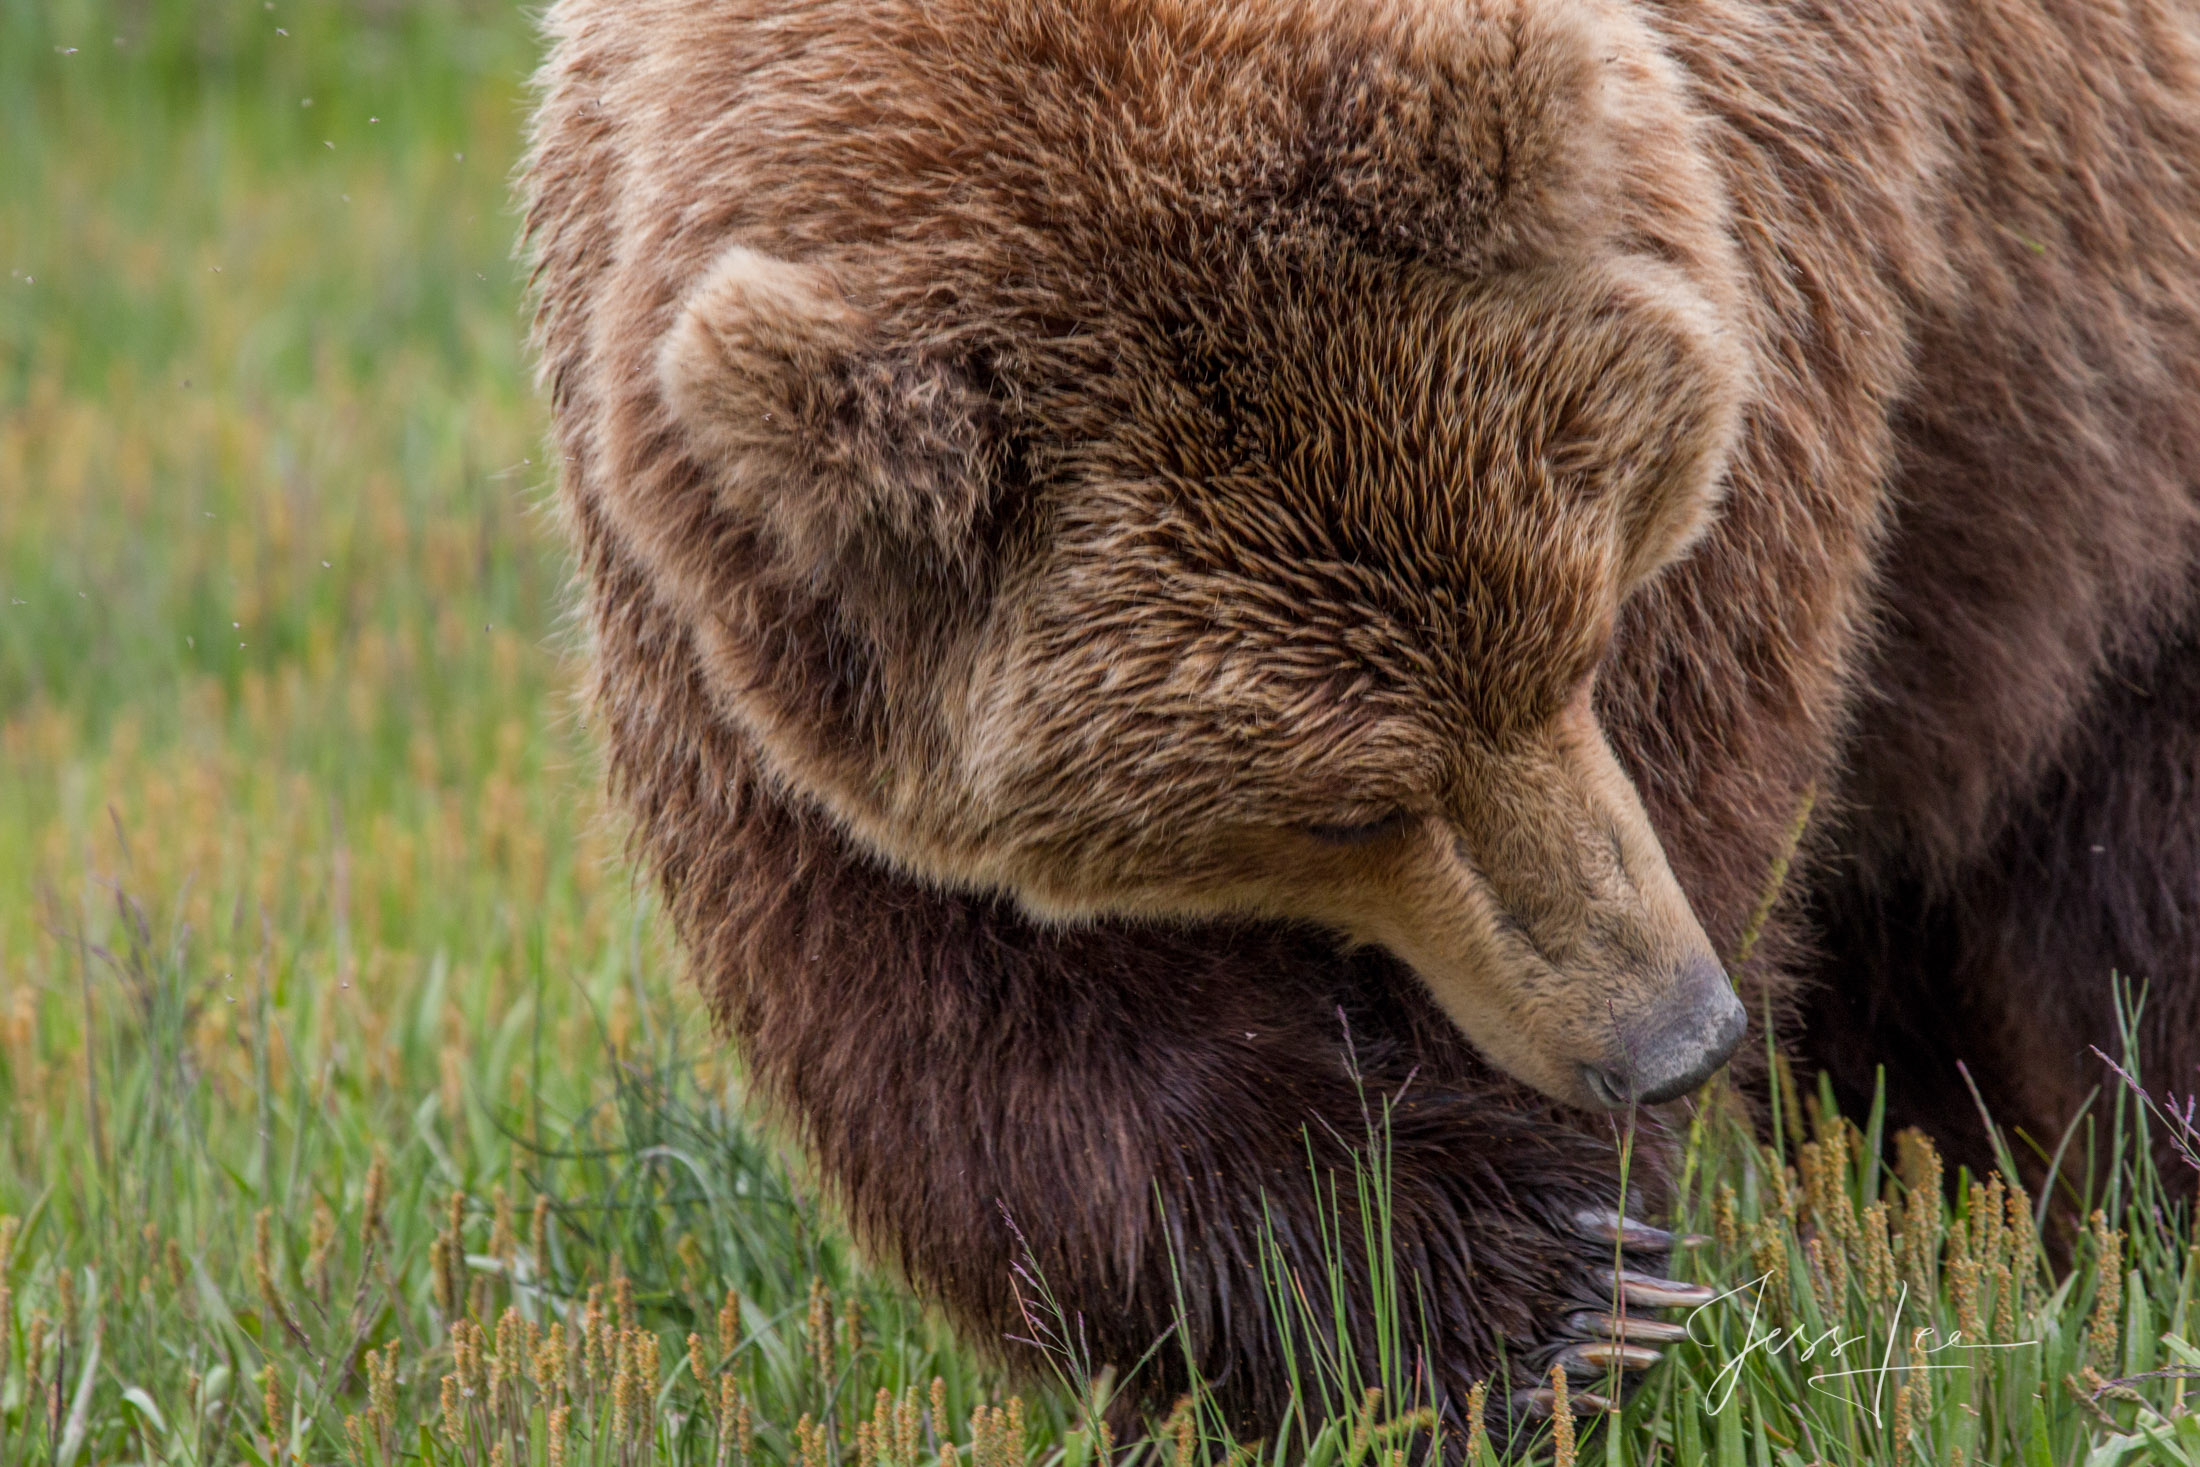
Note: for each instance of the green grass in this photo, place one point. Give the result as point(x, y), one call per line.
point(333, 1028)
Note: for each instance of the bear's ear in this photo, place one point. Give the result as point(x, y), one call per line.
point(861, 463)
point(1483, 135)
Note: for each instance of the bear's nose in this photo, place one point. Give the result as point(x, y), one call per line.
point(1674, 1048)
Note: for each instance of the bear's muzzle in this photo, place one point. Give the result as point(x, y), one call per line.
point(1668, 1052)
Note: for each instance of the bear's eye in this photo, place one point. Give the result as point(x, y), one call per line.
point(1359, 833)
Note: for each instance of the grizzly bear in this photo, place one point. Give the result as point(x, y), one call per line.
point(1165, 572)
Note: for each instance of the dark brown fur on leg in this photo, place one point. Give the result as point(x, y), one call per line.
point(2018, 818)
point(2010, 967)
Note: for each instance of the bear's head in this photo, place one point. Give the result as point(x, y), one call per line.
point(1207, 482)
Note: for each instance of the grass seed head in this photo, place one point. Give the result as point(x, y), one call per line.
point(1822, 1263)
point(2006, 1289)
point(623, 1390)
point(1881, 1277)
point(382, 1387)
point(622, 1296)
point(1562, 1420)
point(729, 1325)
point(550, 1365)
point(1963, 1282)
point(64, 1283)
point(370, 1208)
point(439, 1273)
point(451, 1275)
point(2004, 1277)
point(1846, 1144)
point(635, 1389)
point(729, 1404)
point(984, 1451)
point(511, 1352)
point(1815, 1168)
point(906, 1425)
point(321, 1247)
point(2024, 1250)
point(882, 1422)
point(1916, 1161)
point(469, 1351)
point(596, 1340)
point(271, 1406)
point(34, 1354)
point(1989, 1236)
point(1905, 1413)
point(1478, 1434)
point(820, 1325)
point(851, 1327)
point(503, 1241)
point(648, 1370)
point(1924, 1217)
point(1768, 1258)
point(2104, 1332)
point(1824, 1165)
point(1178, 1432)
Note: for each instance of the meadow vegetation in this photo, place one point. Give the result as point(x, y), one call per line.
point(350, 1107)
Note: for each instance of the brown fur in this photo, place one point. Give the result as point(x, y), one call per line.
point(1042, 469)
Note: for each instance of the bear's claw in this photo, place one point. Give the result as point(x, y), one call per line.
point(1636, 1329)
point(1612, 1340)
point(1648, 1291)
point(1596, 1357)
point(1603, 1225)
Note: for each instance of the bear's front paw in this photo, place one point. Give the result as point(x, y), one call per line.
point(1606, 1338)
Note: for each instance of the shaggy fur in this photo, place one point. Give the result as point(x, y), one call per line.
point(1126, 537)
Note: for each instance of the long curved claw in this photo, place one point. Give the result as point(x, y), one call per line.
point(1595, 1324)
point(1542, 1401)
point(1603, 1225)
point(1648, 1291)
point(1598, 1357)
